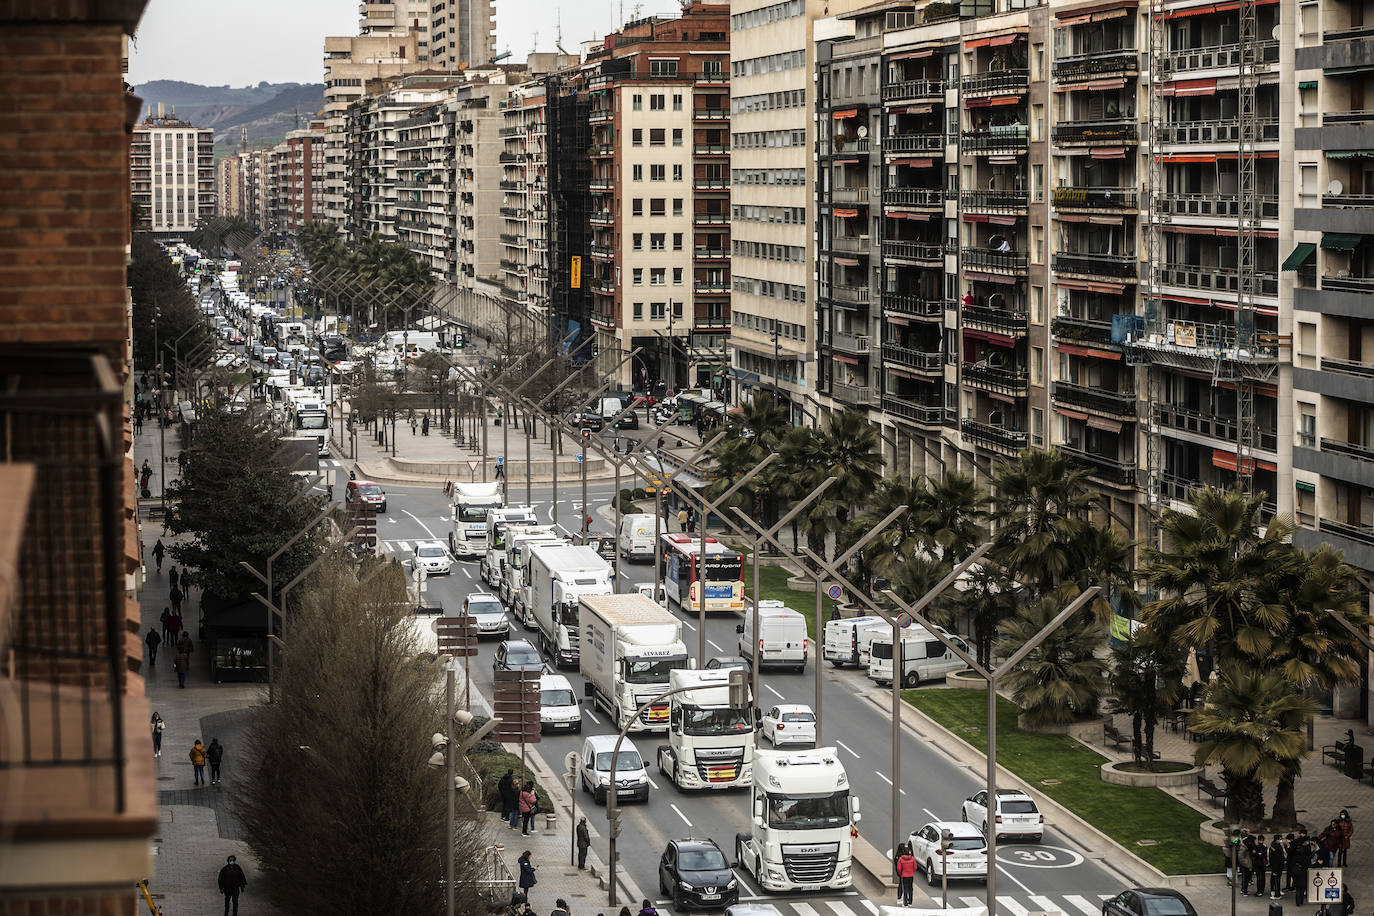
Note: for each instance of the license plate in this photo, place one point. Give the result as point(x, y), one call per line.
point(964, 865)
point(710, 896)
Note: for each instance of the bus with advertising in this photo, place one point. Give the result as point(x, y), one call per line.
point(682, 571)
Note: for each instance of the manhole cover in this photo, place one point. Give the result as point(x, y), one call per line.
point(1147, 842)
point(1049, 782)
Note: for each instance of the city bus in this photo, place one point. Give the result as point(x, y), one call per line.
point(681, 572)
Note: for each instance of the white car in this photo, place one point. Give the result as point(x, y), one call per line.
point(558, 706)
point(1017, 814)
point(433, 558)
point(965, 856)
point(491, 616)
point(790, 723)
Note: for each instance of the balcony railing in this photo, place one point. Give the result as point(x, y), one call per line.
point(602, 251)
point(1347, 367)
point(1222, 279)
point(1090, 330)
point(602, 218)
point(997, 438)
point(994, 260)
point(914, 197)
point(1115, 266)
point(1352, 116)
point(1099, 63)
point(912, 358)
point(1076, 198)
point(711, 184)
point(1118, 131)
point(711, 149)
point(860, 395)
point(1349, 449)
point(1111, 470)
point(915, 306)
point(915, 143)
point(1216, 131)
point(905, 90)
point(1117, 404)
point(859, 295)
point(702, 253)
point(995, 378)
point(1215, 57)
point(998, 81)
point(839, 146)
point(849, 343)
point(712, 286)
point(854, 244)
point(1361, 533)
point(849, 195)
point(1000, 320)
point(1007, 138)
point(710, 114)
point(710, 219)
point(979, 201)
point(1215, 205)
point(1348, 284)
point(1360, 201)
point(1207, 425)
point(921, 414)
point(913, 251)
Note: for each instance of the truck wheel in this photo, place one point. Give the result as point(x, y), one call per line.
point(911, 680)
point(836, 663)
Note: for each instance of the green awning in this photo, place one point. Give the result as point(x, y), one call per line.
point(1300, 256)
point(1308, 84)
point(1346, 71)
point(1350, 154)
point(1340, 241)
point(1304, 486)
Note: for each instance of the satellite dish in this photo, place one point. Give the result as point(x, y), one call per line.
point(1275, 33)
point(1335, 188)
point(863, 132)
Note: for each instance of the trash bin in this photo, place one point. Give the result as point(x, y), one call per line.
point(1275, 908)
point(1354, 761)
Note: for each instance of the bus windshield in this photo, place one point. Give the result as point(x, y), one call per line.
point(727, 568)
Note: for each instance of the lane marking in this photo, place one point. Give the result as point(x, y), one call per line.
point(591, 715)
point(651, 780)
point(1012, 878)
point(888, 781)
point(975, 901)
point(1082, 904)
point(873, 907)
point(391, 521)
point(1011, 906)
point(714, 646)
point(1043, 903)
point(848, 748)
point(805, 909)
point(769, 688)
point(421, 524)
point(839, 908)
point(689, 626)
point(680, 814)
point(465, 571)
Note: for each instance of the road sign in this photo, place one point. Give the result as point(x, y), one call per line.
point(500, 459)
point(834, 592)
point(472, 464)
point(516, 703)
point(579, 459)
point(904, 620)
point(457, 635)
point(1324, 886)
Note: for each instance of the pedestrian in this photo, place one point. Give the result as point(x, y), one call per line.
point(505, 788)
point(560, 908)
point(584, 842)
point(173, 627)
point(1347, 828)
point(527, 870)
point(158, 552)
point(682, 519)
point(231, 881)
point(1330, 842)
point(176, 597)
point(1261, 860)
point(500, 470)
point(647, 909)
point(906, 874)
point(528, 802)
point(424, 426)
point(157, 725)
point(1297, 861)
point(184, 643)
point(1278, 866)
point(499, 414)
point(138, 422)
point(624, 911)
point(214, 754)
point(586, 524)
point(414, 424)
point(186, 582)
point(182, 665)
point(197, 756)
point(514, 818)
point(153, 641)
point(1347, 901)
point(1245, 865)
point(166, 618)
point(172, 577)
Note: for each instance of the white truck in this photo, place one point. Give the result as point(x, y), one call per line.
point(499, 523)
point(801, 819)
point(471, 503)
point(512, 572)
point(559, 575)
point(710, 743)
point(629, 646)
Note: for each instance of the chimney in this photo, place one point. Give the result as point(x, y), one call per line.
point(159, 110)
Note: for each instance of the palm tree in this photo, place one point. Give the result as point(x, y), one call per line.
point(1041, 506)
point(987, 597)
point(1061, 679)
point(847, 449)
point(953, 516)
point(1146, 681)
point(1254, 724)
point(889, 553)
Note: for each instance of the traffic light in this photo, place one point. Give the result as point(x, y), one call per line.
point(586, 433)
point(613, 822)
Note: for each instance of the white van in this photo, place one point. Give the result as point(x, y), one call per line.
point(636, 541)
point(558, 706)
point(782, 637)
point(846, 641)
point(631, 780)
point(924, 658)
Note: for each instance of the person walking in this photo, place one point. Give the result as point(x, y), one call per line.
point(214, 754)
point(906, 874)
point(173, 627)
point(158, 552)
point(514, 818)
point(414, 424)
point(166, 619)
point(153, 641)
point(172, 577)
point(682, 519)
point(1347, 828)
point(157, 726)
point(424, 426)
point(138, 421)
point(182, 666)
point(197, 756)
point(505, 787)
point(528, 803)
point(232, 881)
point(176, 596)
point(584, 842)
point(1330, 841)
point(1278, 866)
point(1245, 865)
point(527, 870)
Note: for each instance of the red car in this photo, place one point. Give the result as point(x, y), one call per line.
point(365, 493)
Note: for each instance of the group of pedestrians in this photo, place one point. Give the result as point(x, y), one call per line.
point(1285, 859)
point(520, 901)
point(519, 802)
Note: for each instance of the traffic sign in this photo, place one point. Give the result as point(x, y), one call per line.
point(457, 635)
point(1324, 886)
point(472, 464)
point(500, 459)
point(834, 592)
point(579, 459)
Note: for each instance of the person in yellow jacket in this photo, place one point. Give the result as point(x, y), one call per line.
point(198, 761)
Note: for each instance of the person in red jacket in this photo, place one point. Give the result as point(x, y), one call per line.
point(906, 874)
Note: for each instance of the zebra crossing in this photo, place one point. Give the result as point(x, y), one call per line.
point(853, 905)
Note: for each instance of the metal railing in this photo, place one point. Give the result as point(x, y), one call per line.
point(1112, 470)
point(1349, 449)
point(1115, 266)
point(1214, 277)
point(1213, 57)
point(1216, 131)
point(912, 358)
point(914, 197)
point(1347, 367)
point(849, 195)
point(913, 251)
point(859, 295)
point(1099, 63)
point(913, 89)
point(862, 395)
point(1085, 198)
point(995, 437)
point(1072, 327)
point(850, 343)
point(929, 142)
point(1002, 320)
point(838, 146)
point(1218, 205)
point(994, 200)
point(1348, 284)
point(1009, 138)
point(1008, 381)
point(923, 414)
point(1114, 131)
point(905, 304)
point(996, 260)
point(997, 81)
point(1187, 420)
point(854, 244)
point(1116, 403)
point(1348, 200)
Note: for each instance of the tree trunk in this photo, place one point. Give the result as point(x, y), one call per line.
point(1285, 813)
point(1137, 742)
point(1244, 799)
point(1148, 726)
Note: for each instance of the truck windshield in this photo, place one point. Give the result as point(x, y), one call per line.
point(697, 720)
point(652, 670)
point(568, 615)
point(314, 421)
point(808, 812)
point(475, 512)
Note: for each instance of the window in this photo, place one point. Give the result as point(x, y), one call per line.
point(677, 276)
point(677, 206)
point(1307, 345)
point(1038, 244)
point(639, 311)
point(662, 68)
point(637, 136)
point(1037, 309)
point(638, 274)
point(1307, 18)
point(656, 136)
point(677, 173)
point(657, 172)
point(1037, 122)
point(711, 68)
point(656, 311)
point(677, 136)
point(677, 241)
point(1307, 184)
point(637, 173)
point(657, 206)
point(1037, 426)
point(1037, 367)
point(1307, 425)
point(656, 241)
point(658, 276)
point(637, 241)
point(656, 102)
point(677, 309)
point(1037, 63)
point(637, 207)
point(637, 102)
point(677, 96)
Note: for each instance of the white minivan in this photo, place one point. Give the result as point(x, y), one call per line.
point(846, 640)
point(630, 778)
point(559, 710)
point(782, 637)
point(636, 541)
point(924, 657)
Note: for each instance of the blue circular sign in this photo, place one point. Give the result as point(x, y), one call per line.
point(834, 592)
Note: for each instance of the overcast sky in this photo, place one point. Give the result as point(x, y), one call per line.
point(247, 41)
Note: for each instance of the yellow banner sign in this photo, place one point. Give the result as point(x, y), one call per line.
point(576, 273)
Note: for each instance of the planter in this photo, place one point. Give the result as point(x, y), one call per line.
point(966, 680)
point(1115, 774)
point(1213, 832)
point(802, 584)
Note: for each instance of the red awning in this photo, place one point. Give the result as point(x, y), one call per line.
point(846, 162)
point(999, 396)
point(1088, 286)
point(1001, 40)
point(844, 113)
point(1191, 11)
point(913, 55)
point(1205, 157)
point(1224, 459)
point(1071, 414)
point(1000, 340)
point(847, 262)
point(1190, 87)
point(1073, 217)
point(1110, 426)
point(1265, 310)
point(1076, 20)
point(1111, 14)
point(1086, 351)
point(1260, 389)
point(1117, 83)
point(845, 212)
point(1106, 220)
point(1002, 220)
point(1005, 100)
point(846, 359)
point(1097, 8)
point(977, 103)
point(977, 43)
point(902, 214)
point(975, 218)
point(896, 319)
point(1109, 152)
point(1188, 300)
point(915, 163)
point(1003, 160)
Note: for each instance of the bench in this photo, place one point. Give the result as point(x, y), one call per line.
point(1335, 753)
point(1213, 791)
point(1114, 737)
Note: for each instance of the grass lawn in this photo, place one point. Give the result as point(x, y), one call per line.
point(1125, 814)
point(773, 587)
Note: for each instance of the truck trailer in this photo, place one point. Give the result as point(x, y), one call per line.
point(629, 645)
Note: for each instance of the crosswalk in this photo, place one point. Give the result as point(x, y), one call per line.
point(853, 905)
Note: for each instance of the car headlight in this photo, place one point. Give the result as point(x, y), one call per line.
point(605, 781)
point(685, 886)
point(643, 779)
point(731, 886)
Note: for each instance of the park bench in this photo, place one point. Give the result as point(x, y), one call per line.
point(1110, 735)
point(1213, 791)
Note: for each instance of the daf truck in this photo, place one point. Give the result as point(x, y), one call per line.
point(802, 822)
point(559, 575)
point(512, 570)
point(629, 645)
point(499, 523)
point(471, 503)
point(710, 743)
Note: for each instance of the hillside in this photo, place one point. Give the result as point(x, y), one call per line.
point(266, 111)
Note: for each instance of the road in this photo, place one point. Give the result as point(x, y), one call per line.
point(1060, 871)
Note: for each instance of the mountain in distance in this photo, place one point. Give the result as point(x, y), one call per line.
point(267, 110)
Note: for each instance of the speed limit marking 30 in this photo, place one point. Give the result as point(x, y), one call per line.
point(1039, 856)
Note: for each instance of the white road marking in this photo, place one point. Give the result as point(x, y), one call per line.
point(591, 715)
point(651, 780)
point(1013, 879)
point(464, 570)
point(680, 814)
point(421, 524)
point(839, 908)
point(1043, 903)
point(1082, 904)
point(888, 781)
point(689, 626)
point(1011, 906)
point(804, 909)
point(848, 748)
point(976, 901)
point(769, 688)
point(870, 906)
point(714, 646)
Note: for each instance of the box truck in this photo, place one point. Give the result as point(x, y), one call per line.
point(559, 575)
point(512, 573)
point(628, 646)
point(501, 522)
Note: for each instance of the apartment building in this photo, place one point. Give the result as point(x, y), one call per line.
point(296, 174)
point(462, 33)
point(524, 206)
point(172, 172)
point(772, 340)
point(392, 17)
point(229, 186)
point(255, 169)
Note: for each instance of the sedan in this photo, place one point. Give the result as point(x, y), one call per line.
point(490, 615)
point(965, 855)
point(1149, 901)
point(696, 873)
point(790, 723)
point(433, 558)
point(517, 655)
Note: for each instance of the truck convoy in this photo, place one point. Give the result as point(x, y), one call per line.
point(802, 822)
point(499, 523)
point(629, 645)
point(512, 572)
point(710, 743)
point(559, 575)
point(471, 503)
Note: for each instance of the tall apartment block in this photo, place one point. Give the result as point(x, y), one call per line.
point(394, 17)
point(524, 206)
point(172, 169)
point(229, 186)
point(297, 177)
point(462, 33)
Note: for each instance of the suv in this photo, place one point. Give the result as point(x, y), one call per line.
point(365, 493)
point(696, 873)
point(1017, 814)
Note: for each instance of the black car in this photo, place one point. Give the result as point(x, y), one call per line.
point(696, 873)
point(629, 420)
point(589, 419)
point(1148, 901)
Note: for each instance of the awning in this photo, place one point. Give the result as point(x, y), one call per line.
point(1088, 286)
point(1268, 311)
point(1003, 160)
point(897, 319)
point(1076, 20)
point(1224, 459)
point(1096, 8)
point(977, 43)
point(1350, 154)
point(1102, 423)
point(1118, 83)
point(913, 55)
point(844, 113)
point(1004, 279)
point(1106, 220)
point(1179, 159)
point(1340, 241)
point(914, 163)
point(1073, 350)
point(1109, 152)
point(845, 359)
point(846, 162)
point(1000, 340)
point(1002, 40)
point(975, 218)
point(1111, 14)
point(1073, 217)
point(905, 215)
point(1005, 100)
point(1347, 71)
point(1003, 220)
point(1071, 414)
point(1300, 256)
point(845, 212)
point(1191, 11)
point(1190, 87)
point(847, 262)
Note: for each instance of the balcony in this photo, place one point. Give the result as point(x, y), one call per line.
point(1223, 206)
point(1109, 470)
point(600, 150)
point(928, 198)
point(509, 185)
point(844, 146)
point(711, 219)
point(1216, 279)
point(996, 438)
point(858, 395)
point(1348, 201)
point(1217, 57)
point(853, 244)
point(1216, 131)
point(849, 195)
point(1004, 261)
point(713, 287)
point(1071, 133)
point(601, 115)
point(711, 149)
point(1207, 426)
point(1013, 382)
point(1088, 330)
point(912, 90)
point(605, 286)
point(997, 81)
point(1001, 321)
point(914, 251)
point(858, 295)
point(602, 252)
point(993, 201)
point(701, 253)
point(1078, 67)
point(1006, 139)
point(1348, 449)
point(919, 360)
point(916, 143)
point(1343, 282)
point(914, 306)
point(1099, 400)
point(920, 414)
point(1110, 266)
point(849, 343)
point(1082, 198)
point(602, 218)
point(1347, 367)
point(710, 114)
point(601, 185)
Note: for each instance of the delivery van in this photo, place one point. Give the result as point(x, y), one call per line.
point(782, 637)
point(636, 541)
point(846, 640)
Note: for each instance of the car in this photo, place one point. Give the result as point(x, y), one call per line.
point(1149, 901)
point(365, 493)
point(965, 855)
point(558, 706)
point(433, 557)
point(588, 420)
point(695, 873)
point(789, 723)
point(1017, 814)
point(517, 655)
point(629, 421)
point(491, 616)
point(630, 778)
